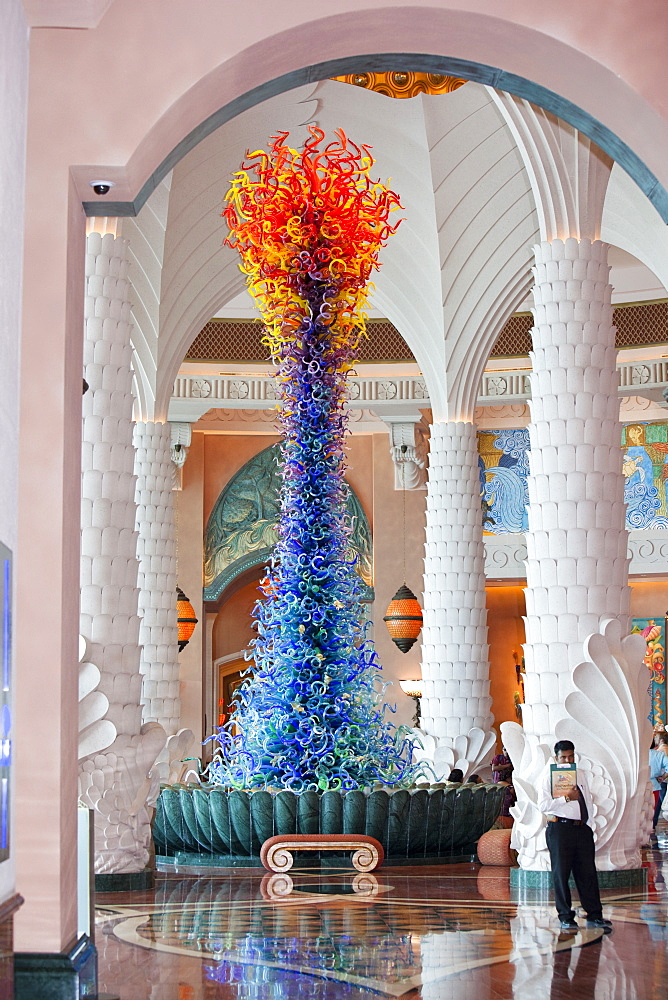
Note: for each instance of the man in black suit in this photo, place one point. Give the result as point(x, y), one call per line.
point(570, 841)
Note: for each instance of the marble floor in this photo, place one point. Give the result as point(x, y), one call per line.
point(447, 932)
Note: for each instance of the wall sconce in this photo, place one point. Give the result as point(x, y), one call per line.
point(414, 690)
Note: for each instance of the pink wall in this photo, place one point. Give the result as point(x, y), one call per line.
point(13, 114)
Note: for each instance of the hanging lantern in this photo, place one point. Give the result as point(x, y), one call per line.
point(403, 618)
point(185, 618)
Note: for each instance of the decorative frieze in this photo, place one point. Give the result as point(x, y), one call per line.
point(192, 397)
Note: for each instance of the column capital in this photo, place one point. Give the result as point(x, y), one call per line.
point(181, 436)
point(408, 447)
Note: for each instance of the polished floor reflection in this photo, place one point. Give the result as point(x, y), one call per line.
point(448, 932)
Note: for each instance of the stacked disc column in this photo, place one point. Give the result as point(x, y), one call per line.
point(577, 565)
point(455, 663)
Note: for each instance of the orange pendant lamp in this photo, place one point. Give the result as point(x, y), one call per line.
point(404, 615)
point(403, 618)
point(185, 618)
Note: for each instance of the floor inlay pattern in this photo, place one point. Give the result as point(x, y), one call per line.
point(449, 932)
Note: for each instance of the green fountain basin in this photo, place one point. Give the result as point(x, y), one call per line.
point(437, 821)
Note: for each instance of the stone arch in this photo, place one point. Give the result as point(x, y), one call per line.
point(539, 67)
point(553, 77)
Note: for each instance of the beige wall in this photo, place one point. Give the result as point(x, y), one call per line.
point(388, 559)
point(223, 456)
point(232, 628)
point(190, 531)
point(649, 598)
point(505, 607)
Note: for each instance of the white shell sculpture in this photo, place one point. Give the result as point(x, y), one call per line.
point(606, 720)
point(175, 760)
point(122, 788)
point(471, 752)
point(95, 732)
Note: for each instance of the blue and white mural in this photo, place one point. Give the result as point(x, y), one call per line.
point(644, 465)
point(504, 466)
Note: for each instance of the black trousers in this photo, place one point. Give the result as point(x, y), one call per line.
point(571, 850)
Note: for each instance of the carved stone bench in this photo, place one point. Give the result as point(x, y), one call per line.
point(276, 852)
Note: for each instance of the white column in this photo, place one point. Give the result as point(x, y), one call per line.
point(156, 551)
point(577, 565)
point(115, 779)
point(455, 664)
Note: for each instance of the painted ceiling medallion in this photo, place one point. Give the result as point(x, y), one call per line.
point(401, 83)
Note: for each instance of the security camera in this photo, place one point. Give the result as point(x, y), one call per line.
point(102, 187)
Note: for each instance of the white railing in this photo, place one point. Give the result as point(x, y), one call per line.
point(260, 392)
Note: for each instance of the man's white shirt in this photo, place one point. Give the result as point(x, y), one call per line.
point(566, 808)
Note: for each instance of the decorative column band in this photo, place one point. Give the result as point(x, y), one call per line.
point(577, 565)
point(455, 664)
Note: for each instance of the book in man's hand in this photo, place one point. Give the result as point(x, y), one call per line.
point(564, 777)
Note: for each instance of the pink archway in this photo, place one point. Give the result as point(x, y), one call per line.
point(126, 99)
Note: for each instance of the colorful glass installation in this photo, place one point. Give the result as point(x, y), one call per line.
point(308, 226)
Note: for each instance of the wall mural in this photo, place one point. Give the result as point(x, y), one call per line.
point(504, 466)
point(241, 531)
point(654, 633)
point(645, 453)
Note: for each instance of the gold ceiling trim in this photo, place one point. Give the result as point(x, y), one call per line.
point(403, 84)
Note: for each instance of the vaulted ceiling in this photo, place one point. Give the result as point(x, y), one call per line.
point(481, 180)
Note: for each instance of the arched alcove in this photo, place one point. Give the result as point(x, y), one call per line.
point(241, 530)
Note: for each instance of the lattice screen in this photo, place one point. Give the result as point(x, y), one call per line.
point(230, 341)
